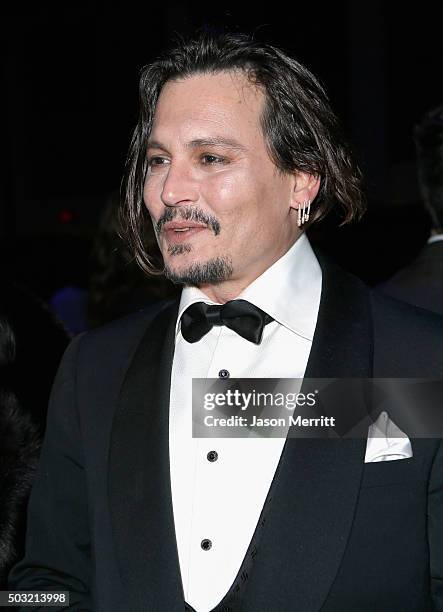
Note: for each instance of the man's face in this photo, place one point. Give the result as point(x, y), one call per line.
point(221, 209)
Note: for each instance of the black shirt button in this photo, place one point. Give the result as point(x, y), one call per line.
point(223, 374)
point(212, 456)
point(206, 544)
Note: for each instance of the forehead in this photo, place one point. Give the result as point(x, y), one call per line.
point(224, 101)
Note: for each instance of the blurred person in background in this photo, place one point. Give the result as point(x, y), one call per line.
point(421, 282)
point(20, 441)
point(117, 284)
point(31, 345)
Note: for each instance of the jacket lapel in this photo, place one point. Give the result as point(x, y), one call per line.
point(342, 346)
point(315, 490)
point(139, 477)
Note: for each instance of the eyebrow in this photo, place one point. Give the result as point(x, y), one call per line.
point(216, 141)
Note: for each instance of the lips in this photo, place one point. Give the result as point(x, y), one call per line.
point(181, 231)
point(181, 226)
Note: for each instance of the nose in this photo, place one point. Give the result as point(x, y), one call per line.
point(179, 187)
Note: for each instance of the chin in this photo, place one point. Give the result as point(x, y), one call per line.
point(196, 273)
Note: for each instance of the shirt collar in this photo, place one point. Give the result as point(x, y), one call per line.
point(289, 290)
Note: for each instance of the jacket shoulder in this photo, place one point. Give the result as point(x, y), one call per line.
point(96, 361)
point(100, 356)
point(121, 333)
point(407, 339)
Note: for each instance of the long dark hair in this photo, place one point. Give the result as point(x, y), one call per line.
point(300, 128)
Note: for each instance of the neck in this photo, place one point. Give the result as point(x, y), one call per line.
point(224, 292)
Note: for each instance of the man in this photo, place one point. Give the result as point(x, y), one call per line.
point(235, 153)
point(420, 283)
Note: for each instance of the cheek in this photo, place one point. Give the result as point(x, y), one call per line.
point(151, 196)
point(237, 201)
point(231, 195)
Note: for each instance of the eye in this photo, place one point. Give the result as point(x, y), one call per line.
point(209, 159)
point(156, 161)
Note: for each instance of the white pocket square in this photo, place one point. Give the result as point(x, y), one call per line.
point(386, 442)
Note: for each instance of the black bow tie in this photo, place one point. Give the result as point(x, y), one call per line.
point(239, 315)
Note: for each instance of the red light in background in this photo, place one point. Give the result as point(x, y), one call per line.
point(65, 216)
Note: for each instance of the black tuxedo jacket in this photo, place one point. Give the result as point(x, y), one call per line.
point(340, 536)
point(421, 282)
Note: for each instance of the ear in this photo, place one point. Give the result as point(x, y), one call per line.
point(305, 188)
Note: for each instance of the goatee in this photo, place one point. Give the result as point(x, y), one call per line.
point(211, 272)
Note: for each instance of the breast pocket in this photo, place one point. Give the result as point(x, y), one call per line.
point(399, 471)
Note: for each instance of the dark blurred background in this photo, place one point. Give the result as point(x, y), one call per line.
point(70, 101)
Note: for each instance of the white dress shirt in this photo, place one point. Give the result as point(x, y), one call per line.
point(221, 500)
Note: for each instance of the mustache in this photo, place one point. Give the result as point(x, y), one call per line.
point(188, 214)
